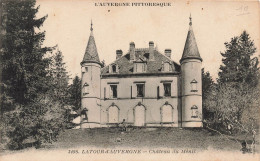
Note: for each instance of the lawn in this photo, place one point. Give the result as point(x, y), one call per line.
point(192, 138)
point(197, 143)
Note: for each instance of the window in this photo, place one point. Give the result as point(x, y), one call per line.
point(85, 89)
point(194, 111)
point(167, 89)
point(84, 114)
point(84, 69)
point(140, 67)
point(114, 68)
point(140, 90)
point(166, 67)
point(113, 91)
point(194, 85)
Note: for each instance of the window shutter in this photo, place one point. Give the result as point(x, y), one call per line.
point(108, 91)
point(110, 69)
point(172, 67)
point(172, 88)
point(158, 92)
point(144, 90)
point(131, 92)
point(134, 91)
point(161, 87)
point(117, 70)
point(105, 93)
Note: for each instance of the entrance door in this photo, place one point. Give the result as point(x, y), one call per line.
point(113, 114)
point(167, 113)
point(139, 116)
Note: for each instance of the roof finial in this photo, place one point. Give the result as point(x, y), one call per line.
point(190, 20)
point(91, 28)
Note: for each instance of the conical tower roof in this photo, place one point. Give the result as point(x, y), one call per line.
point(91, 54)
point(190, 49)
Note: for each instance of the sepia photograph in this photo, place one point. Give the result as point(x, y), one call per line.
point(129, 80)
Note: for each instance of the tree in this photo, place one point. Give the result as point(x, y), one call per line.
point(59, 84)
point(207, 87)
point(21, 53)
point(59, 78)
point(239, 65)
point(75, 94)
point(30, 112)
point(235, 109)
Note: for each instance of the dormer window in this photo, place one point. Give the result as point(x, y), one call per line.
point(140, 67)
point(113, 68)
point(85, 89)
point(193, 84)
point(166, 67)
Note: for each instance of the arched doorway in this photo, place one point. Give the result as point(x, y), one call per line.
point(113, 114)
point(167, 113)
point(139, 115)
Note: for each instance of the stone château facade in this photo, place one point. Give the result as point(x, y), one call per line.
point(142, 87)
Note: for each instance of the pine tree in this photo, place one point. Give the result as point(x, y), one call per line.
point(59, 78)
point(34, 114)
point(22, 54)
point(239, 65)
point(75, 93)
point(207, 88)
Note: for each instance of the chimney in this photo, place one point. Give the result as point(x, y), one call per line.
point(119, 53)
point(168, 53)
point(132, 51)
point(151, 50)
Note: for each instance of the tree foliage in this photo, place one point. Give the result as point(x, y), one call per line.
point(29, 113)
point(59, 78)
point(22, 54)
point(234, 100)
point(239, 65)
point(75, 94)
point(207, 87)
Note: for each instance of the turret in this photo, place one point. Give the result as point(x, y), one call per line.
point(90, 82)
point(191, 81)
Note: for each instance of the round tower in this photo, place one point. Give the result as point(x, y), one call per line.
point(191, 81)
point(90, 81)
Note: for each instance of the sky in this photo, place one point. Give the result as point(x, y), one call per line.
point(214, 23)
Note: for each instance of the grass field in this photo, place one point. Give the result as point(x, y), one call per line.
point(197, 138)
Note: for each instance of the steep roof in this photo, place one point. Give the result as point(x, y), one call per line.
point(91, 54)
point(190, 49)
point(126, 66)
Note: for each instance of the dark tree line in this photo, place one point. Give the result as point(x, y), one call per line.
point(231, 105)
point(35, 91)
